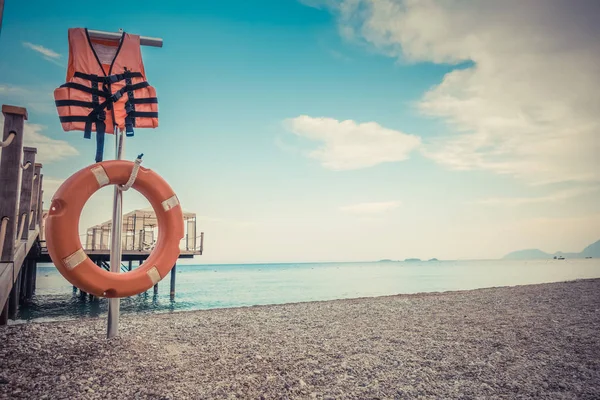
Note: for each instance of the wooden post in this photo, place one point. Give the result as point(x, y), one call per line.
point(130, 264)
point(35, 195)
point(93, 238)
point(10, 176)
point(26, 189)
point(156, 289)
point(40, 214)
point(173, 272)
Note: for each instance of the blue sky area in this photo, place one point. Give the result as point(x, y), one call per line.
point(249, 90)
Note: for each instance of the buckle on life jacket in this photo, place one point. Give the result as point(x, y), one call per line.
point(101, 115)
point(129, 130)
point(115, 97)
point(113, 78)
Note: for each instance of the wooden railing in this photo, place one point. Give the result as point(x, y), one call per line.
point(21, 209)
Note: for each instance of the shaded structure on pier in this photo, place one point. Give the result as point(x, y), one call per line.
point(139, 233)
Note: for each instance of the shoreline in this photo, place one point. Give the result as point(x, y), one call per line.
point(513, 341)
point(161, 312)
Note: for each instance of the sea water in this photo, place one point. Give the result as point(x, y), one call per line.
point(216, 286)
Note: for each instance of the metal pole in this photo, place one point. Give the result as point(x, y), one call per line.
point(115, 249)
point(2, 13)
point(144, 40)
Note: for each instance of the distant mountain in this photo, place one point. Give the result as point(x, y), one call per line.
point(593, 250)
point(528, 254)
point(412, 260)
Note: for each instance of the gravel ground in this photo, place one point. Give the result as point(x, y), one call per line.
point(538, 341)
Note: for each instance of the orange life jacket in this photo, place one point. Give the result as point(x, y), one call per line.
point(106, 88)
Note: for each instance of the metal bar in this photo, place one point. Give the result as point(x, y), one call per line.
point(115, 249)
point(144, 40)
point(1, 13)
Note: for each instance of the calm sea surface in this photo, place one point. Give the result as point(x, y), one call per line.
point(217, 286)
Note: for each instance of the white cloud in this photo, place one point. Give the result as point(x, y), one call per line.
point(348, 145)
point(230, 222)
point(48, 54)
point(39, 99)
point(48, 149)
point(11, 90)
point(551, 198)
point(527, 107)
point(371, 208)
point(339, 56)
point(50, 186)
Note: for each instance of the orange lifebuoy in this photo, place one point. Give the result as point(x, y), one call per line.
point(62, 230)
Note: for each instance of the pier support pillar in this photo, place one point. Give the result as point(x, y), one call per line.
point(13, 299)
point(173, 272)
point(33, 283)
point(24, 281)
point(32, 272)
point(156, 289)
point(4, 314)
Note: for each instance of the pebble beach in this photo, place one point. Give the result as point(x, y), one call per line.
point(522, 342)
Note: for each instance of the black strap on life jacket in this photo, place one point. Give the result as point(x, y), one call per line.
point(129, 106)
point(100, 125)
point(98, 114)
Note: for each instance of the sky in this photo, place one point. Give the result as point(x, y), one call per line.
point(343, 130)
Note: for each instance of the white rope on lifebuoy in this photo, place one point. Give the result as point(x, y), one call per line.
point(8, 140)
point(134, 172)
point(26, 165)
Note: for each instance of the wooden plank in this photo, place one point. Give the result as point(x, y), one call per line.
point(26, 189)
point(10, 178)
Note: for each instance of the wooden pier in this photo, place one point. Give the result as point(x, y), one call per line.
point(22, 217)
